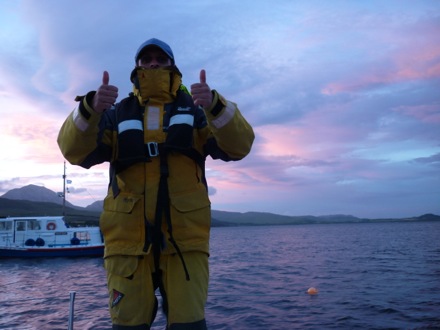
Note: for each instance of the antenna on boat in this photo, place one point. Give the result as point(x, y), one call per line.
point(64, 190)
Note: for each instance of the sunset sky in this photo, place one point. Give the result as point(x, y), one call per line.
point(344, 96)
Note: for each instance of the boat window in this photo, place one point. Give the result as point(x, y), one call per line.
point(21, 225)
point(34, 225)
point(83, 235)
point(5, 225)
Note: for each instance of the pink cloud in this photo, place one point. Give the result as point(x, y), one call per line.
point(425, 113)
point(415, 63)
point(36, 135)
point(279, 141)
point(411, 58)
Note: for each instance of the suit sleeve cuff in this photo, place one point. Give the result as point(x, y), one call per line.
point(218, 103)
point(84, 113)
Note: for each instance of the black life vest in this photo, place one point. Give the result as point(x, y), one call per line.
point(178, 123)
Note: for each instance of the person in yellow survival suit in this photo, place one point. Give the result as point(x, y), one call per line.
point(156, 217)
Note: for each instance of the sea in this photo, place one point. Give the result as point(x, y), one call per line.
point(367, 276)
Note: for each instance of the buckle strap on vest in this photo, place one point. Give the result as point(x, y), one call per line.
point(163, 209)
point(152, 149)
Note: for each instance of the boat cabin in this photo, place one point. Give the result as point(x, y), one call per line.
point(45, 232)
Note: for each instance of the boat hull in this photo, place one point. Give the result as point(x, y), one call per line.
point(70, 252)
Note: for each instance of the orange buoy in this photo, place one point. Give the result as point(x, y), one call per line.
point(312, 291)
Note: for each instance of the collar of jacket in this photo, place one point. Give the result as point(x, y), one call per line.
point(160, 84)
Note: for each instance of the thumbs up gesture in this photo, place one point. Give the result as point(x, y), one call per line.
point(201, 93)
point(105, 96)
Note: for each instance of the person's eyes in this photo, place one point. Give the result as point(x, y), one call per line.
point(146, 59)
point(162, 59)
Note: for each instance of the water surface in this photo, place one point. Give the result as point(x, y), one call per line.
point(369, 276)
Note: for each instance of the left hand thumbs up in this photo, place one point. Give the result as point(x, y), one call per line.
point(201, 93)
point(202, 76)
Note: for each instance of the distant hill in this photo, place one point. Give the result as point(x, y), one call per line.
point(96, 206)
point(39, 201)
point(261, 218)
point(36, 194)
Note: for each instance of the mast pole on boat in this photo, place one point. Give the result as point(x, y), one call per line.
point(64, 190)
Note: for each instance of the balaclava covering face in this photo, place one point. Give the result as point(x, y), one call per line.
point(160, 83)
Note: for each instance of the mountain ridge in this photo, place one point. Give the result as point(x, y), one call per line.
point(35, 200)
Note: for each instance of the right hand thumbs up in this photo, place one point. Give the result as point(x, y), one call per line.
point(105, 78)
point(105, 96)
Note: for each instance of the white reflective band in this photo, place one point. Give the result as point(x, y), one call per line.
point(225, 117)
point(182, 119)
point(153, 119)
point(129, 124)
point(79, 120)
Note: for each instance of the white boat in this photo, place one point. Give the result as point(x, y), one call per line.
point(27, 237)
point(48, 236)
